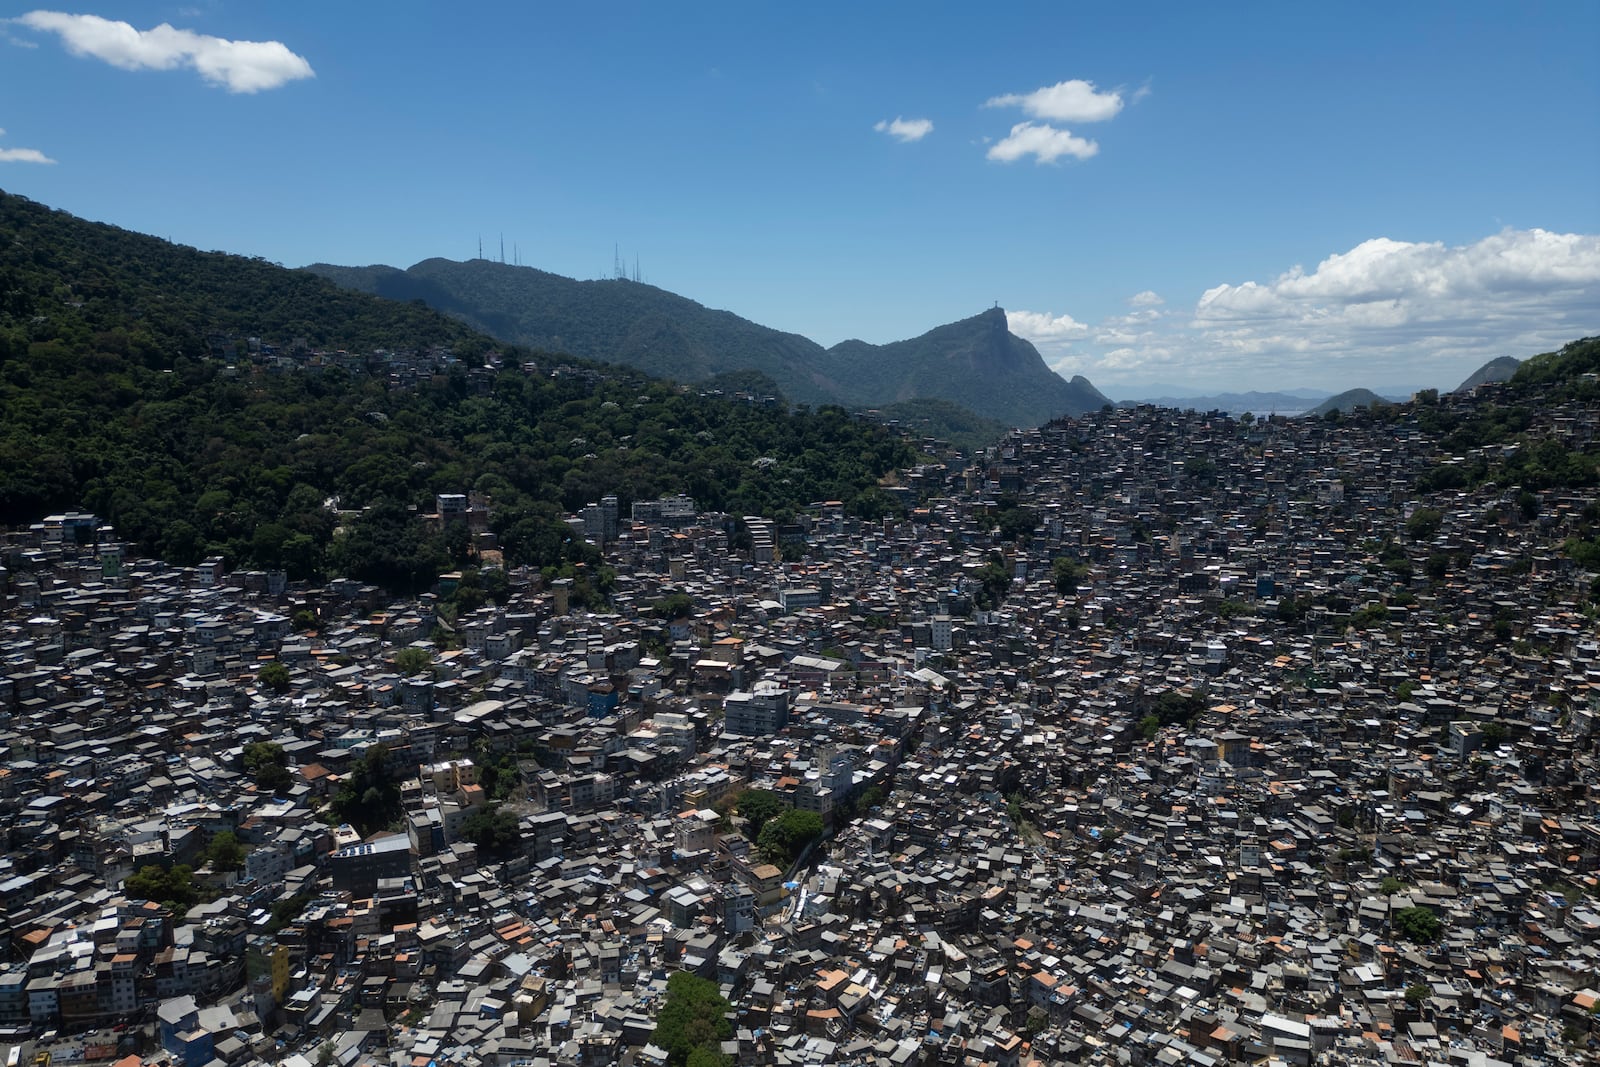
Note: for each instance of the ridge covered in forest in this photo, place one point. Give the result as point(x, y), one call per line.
point(214, 404)
point(975, 362)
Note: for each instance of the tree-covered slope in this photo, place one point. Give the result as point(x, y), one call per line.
point(1512, 437)
point(64, 279)
point(1498, 369)
point(1567, 371)
point(120, 392)
point(624, 322)
point(944, 421)
point(1349, 400)
point(977, 362)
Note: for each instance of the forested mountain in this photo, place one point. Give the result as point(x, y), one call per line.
point(618, 321)
point(1510, 436)
point(945, 421)
point(1350, 398)
point(1568, 373)
point(201, 402)
point(1496, 370)
point(65, 279)
point(977, 362)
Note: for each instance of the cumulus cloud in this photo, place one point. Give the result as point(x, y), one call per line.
point(22, 155)
point(1042, 141)
point(1385, 313)
point(905, 130)
point(238, 66)
point(1387, 282)
point(1149, 298)
point(1043, 328)
point(1069, 101)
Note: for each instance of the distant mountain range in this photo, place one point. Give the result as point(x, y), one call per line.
point(1311, 401)
point(1496, 370)
point(1291, 402)
point(976, 362)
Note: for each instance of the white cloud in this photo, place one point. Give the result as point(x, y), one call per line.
point(1415, 282)
point(905, 130)
point(1043, 328)
point(22, 155)
point(1385, 313)
point(1068, 101)
point(238, 66)
point(1149, 298)
point(1044, 142)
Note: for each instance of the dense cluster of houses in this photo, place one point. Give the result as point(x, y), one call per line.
point(1266, 771)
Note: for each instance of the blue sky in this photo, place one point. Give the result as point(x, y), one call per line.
point(1164, 197)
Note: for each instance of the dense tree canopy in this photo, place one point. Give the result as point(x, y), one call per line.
point(174, 888)
point(1528, 457)
point(495, 830)
point(268, 764)
point(274, 676)
point(224, 852)
point(1066, 573)
point(130, 386)
point(693, 1021)
point(1418, 924)
point(1014, 520)
point(369, 798)
point(785, 836)
point(412, 661)
point(756, 807)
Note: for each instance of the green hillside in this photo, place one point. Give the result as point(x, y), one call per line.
point(1571, 371)
point(1508, 438)
point(625, 322)
point(65, 279)
point(1349, 400)
point(1496, 370)
point(130, 386)
point(976, 362)
point(944, 421)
